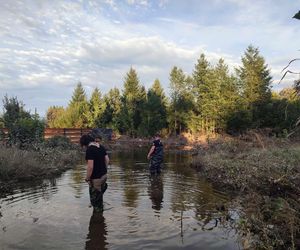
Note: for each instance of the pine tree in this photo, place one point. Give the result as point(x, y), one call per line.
point(155, 112)
point(180, 101)
point(255, 76)
point(202, 94)
point(111, 115)
point(256, 80)
point(78, 95)
point(133, 99)
point(77, 113)
point(227, 94)
point(140, 113)
point(96, 109)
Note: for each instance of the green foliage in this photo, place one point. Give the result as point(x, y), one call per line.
point(14, 110)
point(78, 110)
point(155, 111)
point(238, 121)
point(23, 128)
point(256, 80)
point(96, 109)
point(226, 93)
point(211, 99)
point(282, 114)
point(111, 115)
point(78, 95)
point(77, 114)
point(1, 122)
point(181, 103)
point(204, 91)
point(133, 100)
point(55, 117)
point(59, 142)
point(26, 130)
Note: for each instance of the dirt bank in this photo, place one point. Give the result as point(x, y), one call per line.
point(265, 179)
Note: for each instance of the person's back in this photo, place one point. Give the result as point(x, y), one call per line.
point(156, 155)
point(97, 153)
point(159, 150)
point(97, 162)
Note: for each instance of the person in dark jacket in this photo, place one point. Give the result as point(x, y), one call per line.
point(155, 155)
point(96, 175)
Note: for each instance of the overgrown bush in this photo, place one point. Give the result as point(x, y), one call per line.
point(59, 141)
point(25, 131)
point(23, 128)
point(19, 164)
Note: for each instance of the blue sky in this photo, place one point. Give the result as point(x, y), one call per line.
point(47, 46)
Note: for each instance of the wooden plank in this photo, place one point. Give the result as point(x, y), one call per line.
point(73, 134)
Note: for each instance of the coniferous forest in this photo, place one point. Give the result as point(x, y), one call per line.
point(211, 99)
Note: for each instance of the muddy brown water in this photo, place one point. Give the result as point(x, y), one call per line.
point(176, 210)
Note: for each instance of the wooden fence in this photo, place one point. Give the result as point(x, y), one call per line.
point(73, 134)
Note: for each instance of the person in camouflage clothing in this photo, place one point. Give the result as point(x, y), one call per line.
point(156, 155)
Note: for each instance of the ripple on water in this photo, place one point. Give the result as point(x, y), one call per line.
point(175, 210)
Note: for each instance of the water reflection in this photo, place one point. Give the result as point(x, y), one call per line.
point(131, 191)
point(176, 209)
point(77, 176)
point(132, 173)
point(156, 191)
point(96, 237)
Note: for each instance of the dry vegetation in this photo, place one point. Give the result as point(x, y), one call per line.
point(37, 161)
point(264, 175)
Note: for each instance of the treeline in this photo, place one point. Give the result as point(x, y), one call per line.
point(211, 99)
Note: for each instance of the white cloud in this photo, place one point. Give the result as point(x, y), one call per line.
point(54, 43)
point(138, 2)
point(163, 3)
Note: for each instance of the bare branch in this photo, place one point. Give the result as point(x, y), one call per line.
point(285, 73)
point(297, 123)
point(296, 59)
point(297, 15)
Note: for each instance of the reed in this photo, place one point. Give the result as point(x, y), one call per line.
point(26, 164)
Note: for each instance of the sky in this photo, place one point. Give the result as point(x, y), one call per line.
point(48, 46)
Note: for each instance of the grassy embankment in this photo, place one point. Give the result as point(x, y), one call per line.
point(265, 178)
point(36, 161)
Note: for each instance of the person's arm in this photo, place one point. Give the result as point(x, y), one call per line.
point(106, 160)
point(151, 152)
point(89, 170)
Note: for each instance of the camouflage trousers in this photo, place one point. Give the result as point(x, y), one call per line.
point(155, 165)
point(96, 190)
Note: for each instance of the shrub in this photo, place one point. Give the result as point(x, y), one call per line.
point(59, 141)
point(23, 128)
point(26, 130)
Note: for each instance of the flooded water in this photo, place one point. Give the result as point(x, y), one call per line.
point(176, 210)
